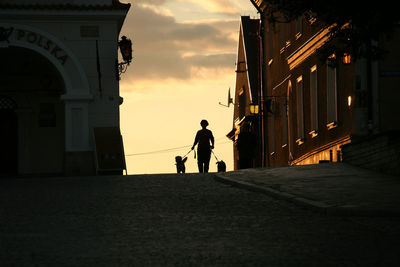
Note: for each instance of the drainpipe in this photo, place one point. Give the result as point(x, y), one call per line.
point(262, 84)
point(260, 98)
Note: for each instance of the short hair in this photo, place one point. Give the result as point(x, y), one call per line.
point(204, 122)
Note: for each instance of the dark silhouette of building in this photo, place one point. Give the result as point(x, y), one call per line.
point(247, 91)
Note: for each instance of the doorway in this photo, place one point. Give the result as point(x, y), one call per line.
point(32, 120)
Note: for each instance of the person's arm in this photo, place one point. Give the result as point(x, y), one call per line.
point(212, 140)
point(196, 140)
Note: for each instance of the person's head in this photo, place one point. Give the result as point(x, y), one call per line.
point(204, 124)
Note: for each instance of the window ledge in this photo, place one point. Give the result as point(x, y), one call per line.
point(313, 133)
point(331, 125)
point(300, 141)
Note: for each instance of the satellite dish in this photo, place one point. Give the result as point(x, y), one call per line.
point(230, 99)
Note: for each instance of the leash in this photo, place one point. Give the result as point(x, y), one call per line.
point(189, 153)
point(212, 151)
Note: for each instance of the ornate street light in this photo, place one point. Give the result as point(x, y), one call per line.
point(125, 47)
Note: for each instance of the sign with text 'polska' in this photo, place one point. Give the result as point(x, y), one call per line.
point(33, 38)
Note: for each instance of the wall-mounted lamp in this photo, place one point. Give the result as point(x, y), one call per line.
point(346, 59)
point(253, 109)
point(125, 47)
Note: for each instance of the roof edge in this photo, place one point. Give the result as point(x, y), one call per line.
point(116, 5)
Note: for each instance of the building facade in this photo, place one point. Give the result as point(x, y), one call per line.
point(310, 116)
point(313, 104)
point(58, 82)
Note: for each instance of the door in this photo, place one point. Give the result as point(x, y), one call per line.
point(8, 138)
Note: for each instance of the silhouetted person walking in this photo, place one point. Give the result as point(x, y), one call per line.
point(205, 140)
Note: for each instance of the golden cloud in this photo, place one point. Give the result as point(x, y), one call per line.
point(162, 45)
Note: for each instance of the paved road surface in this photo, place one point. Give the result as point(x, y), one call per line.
point(170, 220)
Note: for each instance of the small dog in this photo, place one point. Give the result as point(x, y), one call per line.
point(180, 164)
point(221, 166)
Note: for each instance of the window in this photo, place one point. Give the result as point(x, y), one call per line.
point(271, 128)
point(242, 103)
point(299, 27)
point(270, 44)
point(331, 96)
point(290, 124)
point(7, 103)
point(284, 35)
point(285, 112)
point(300, 109)
point(314, 101)
point(311, 17)
point(287, 34)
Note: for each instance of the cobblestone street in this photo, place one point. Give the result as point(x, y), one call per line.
point(177, 220)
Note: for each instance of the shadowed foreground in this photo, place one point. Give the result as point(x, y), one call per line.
point(177, 220)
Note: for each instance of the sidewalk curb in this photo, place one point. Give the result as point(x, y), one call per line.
point(316, 206)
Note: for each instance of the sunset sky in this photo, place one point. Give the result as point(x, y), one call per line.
point(183, 65)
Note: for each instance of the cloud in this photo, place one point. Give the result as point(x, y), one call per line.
point(210, 61)
point(226, 7)
point(167, 49)
point(149, 2)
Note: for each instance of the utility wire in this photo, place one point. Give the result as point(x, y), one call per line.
point(170, 149)
point(159, 151)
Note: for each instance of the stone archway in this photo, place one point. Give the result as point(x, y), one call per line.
point(35, 124)
point(8, 136)
point(76, 94)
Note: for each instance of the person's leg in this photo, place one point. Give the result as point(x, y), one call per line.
point(200, 166)
point(201, 157)
point(207, 160)
point(206, 165)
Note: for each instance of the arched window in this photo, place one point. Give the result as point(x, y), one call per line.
point(300, 110)
point(7, 103)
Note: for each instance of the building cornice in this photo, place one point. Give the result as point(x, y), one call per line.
point(308, 48)
point(116, 5)
point(66, 12)
point(259, 4)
